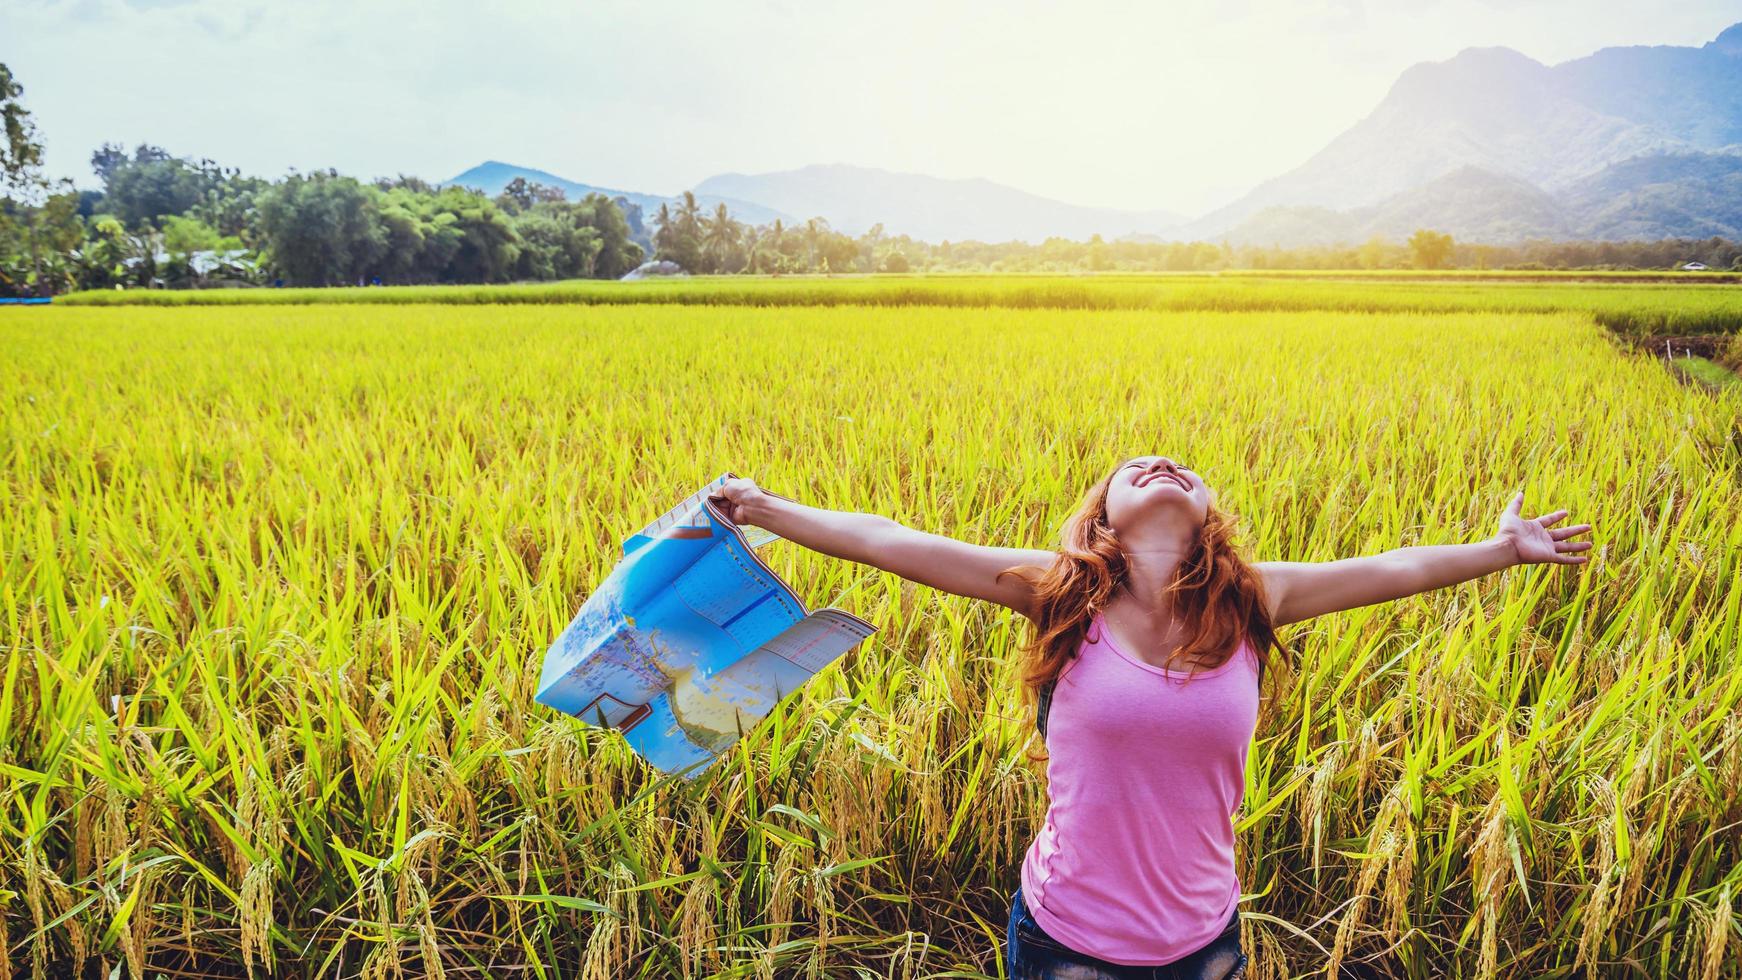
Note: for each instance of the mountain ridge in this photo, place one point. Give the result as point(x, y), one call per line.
point(1489, 145)
point(492, 176)
point(1669, 195)
point(854, 198)
point(1498, 109)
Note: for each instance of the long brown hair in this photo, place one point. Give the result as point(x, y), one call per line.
point(1216, 595)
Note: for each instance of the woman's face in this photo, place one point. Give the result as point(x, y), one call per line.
point(1148, 485)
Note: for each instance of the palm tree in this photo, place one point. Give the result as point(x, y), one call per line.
point(752, 247)
point(813, 237)
point(662, 238)
point(776, 242)
point(722, 234)
point(689, 216)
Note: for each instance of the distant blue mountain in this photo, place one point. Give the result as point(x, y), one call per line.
point(1628, 142)
point(492, 176)
point(931, 209)
point(1489, 145)
point(853, 199)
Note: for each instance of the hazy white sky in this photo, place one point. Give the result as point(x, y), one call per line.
point(1179, 105)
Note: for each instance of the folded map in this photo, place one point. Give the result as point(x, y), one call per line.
point(691, 640)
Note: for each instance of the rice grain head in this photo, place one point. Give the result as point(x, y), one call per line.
point(1718, 928)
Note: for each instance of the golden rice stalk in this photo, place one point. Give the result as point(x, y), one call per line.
point(1597, 908)
point(112, 837)
point(140, 925)
point(255, 914)
point(426, 929)
point(1366, 756)
point(1731, 756)
point(189, 900)
point(1400, 866)
point(1315, 801)
point(47, 895)
point(1487, 855)
point(822, 901)
point(381, 963)
point(383, 960)
point(1643, 842)
point(1718, 926)
point(1385, 842)
point(612, 945)
point(696, 926)
point(34, 897)
point(782, 889)
point(1266, 959)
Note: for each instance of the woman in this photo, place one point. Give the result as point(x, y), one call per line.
point(1150, 635)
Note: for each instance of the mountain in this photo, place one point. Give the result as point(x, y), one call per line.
point(929, 208)
point(492, 176)
point(1670, 195)
point(1489, 145)
point(1564, 129)
point(1470, 203)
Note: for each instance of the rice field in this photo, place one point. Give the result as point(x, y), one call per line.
point(276, 582)
point(1633, 304)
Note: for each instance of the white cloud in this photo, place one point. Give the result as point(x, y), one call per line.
point(1137, 104)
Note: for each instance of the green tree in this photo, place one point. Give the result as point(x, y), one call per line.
point(103, 261)
point(839, 252)
point(151, 185)
point(27, 193)
point(107, 159)
point(815, 230)
point(679, 235)
point(619, 252)
point(323, 229)
point(870, 244)
point(522, 195)
point(187, 234)
point(720, 239)
point(421, 237)
point(50, 235)
point(1098, 259)
point(633, 217)
point(488, 248)
point(1372, 253)
point(1430, 249)
point(771, 249)
point(555, 244)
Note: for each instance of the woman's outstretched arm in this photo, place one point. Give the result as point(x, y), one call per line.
point(930, 559)
point(1302, 590)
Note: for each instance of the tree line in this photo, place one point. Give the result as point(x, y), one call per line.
point(159, 220)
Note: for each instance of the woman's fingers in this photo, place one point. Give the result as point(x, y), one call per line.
point(1567, 546)
point(1562, 533)
point(727, 504)
point(1547, 519)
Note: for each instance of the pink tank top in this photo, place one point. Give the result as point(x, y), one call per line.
point(1135, 863)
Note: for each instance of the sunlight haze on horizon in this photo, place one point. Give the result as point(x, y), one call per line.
point(1183, 107)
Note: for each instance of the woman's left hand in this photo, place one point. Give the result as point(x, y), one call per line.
point(1534, 540)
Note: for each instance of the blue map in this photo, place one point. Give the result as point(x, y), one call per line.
point(691, 640)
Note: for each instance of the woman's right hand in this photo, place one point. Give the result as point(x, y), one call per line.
point(741, 500)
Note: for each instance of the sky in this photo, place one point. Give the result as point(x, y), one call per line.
point(1180, 105)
